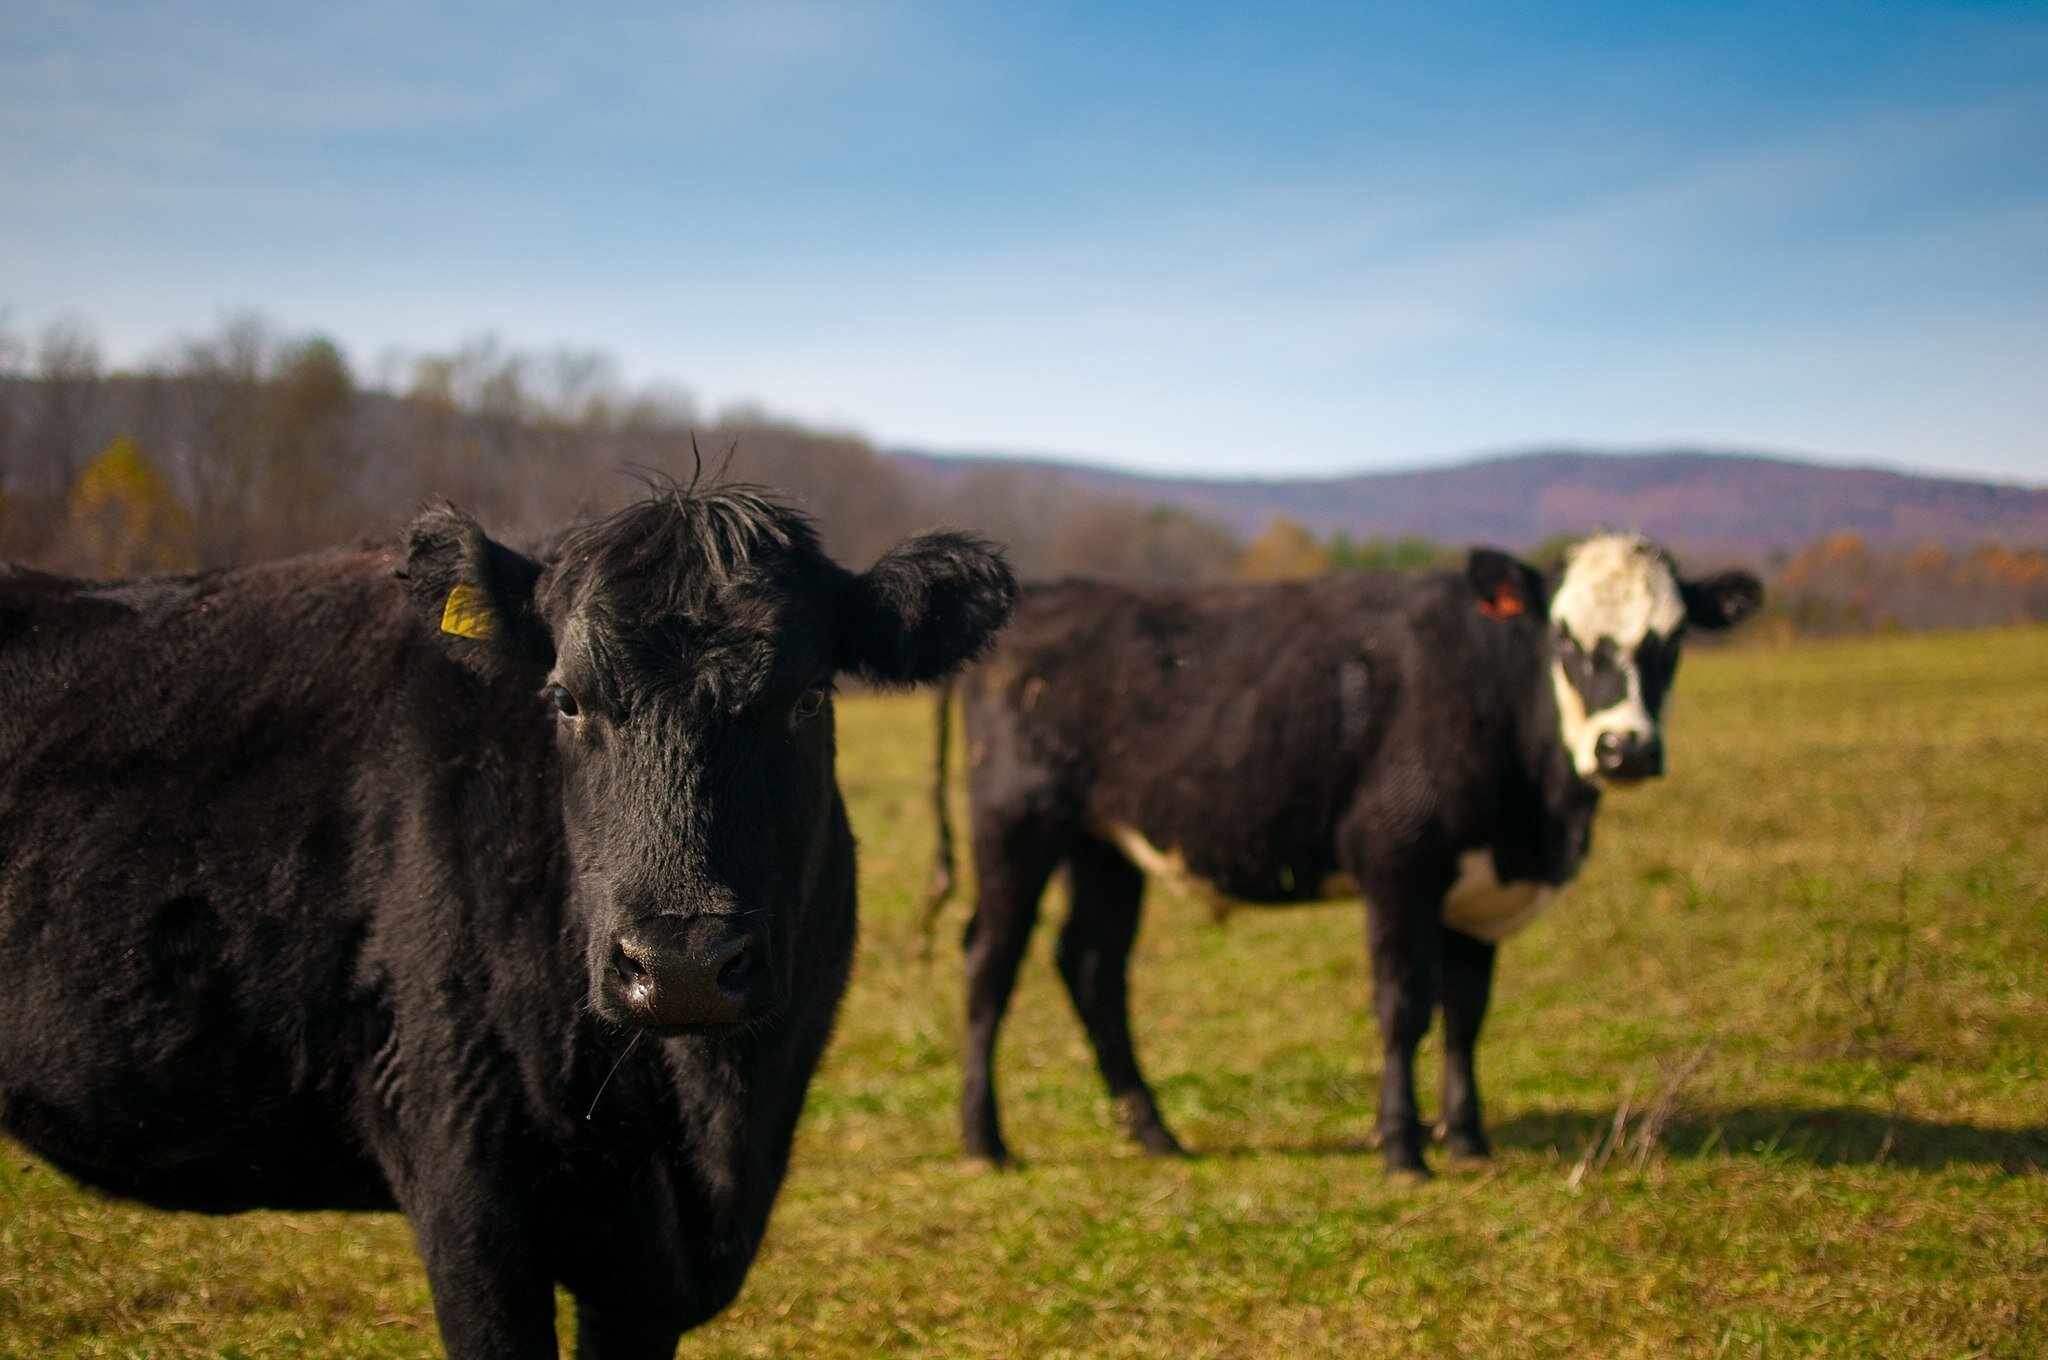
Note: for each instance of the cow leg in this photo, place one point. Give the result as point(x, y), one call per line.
point(1094, 959)
point(602, 1335)
point(1012, 870)
point(492, 1297)
point(1402, 910)
point(1467, 985)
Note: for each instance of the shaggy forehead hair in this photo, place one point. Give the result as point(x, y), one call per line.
point(1619, 586)
point(677, 551)
point(692, 574)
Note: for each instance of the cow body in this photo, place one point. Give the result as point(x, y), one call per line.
point(316, 893)
point(1417, 740)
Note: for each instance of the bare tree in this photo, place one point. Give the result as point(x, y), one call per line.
point(219, 383)
point(13, 360)
point(307, 465)
point(69, 399)
point(1122, 541)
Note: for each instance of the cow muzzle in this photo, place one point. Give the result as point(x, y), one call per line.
point(690, 974)
point(1627, 756)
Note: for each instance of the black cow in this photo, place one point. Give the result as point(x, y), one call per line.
point(1438, 742)
point(517, 896)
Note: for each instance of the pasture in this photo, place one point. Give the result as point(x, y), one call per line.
point(1772, 1080)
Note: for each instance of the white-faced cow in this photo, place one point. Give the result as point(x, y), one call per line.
point(1438, 742)
point(515, 895)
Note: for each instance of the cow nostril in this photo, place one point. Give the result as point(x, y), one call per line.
point(632, 974)
point(672, 972)
point(733, 973)
point(1630, 754)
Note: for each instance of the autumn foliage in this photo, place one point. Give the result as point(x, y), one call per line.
point(1843, 585)
point(125, 518)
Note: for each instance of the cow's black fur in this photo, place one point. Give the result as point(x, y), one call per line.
point(306, 901)
point(1375, 727)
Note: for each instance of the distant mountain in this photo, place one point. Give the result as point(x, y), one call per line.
point(1720, 503)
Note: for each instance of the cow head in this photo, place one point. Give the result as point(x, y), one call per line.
point(684, 649)
point(1618, 612)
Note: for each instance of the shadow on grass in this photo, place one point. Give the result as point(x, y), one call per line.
point(1282, 1147)
point(1816, 1136)
point(1823, 1136)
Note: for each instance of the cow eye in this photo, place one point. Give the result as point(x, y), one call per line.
point(809, 702)
point(562, 700)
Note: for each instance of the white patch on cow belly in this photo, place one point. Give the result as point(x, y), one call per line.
point(1482, 906)
point(1171, 867)
point(1168, 866)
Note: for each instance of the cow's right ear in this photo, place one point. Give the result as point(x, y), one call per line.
point(477, 594)
point(929, 606)
point(1721, 601)
point(1506, 586)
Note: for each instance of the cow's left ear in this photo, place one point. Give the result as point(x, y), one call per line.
point(929, 606)
point(1721, 601)
point(1506, 586)
point(478, 595)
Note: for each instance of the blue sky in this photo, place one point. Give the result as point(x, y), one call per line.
point(1215, 238)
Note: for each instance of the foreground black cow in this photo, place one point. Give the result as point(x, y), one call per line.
point(1439, 742)
point(518, 897)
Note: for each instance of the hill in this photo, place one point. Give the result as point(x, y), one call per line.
point(1722, 503)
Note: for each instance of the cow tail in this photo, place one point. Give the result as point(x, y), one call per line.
point(942, 862)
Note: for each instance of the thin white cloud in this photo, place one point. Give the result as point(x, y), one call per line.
point(173, 80)
point(1724, 203)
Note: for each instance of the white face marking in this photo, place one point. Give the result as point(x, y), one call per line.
point(1615, 587)
point(1482, 906)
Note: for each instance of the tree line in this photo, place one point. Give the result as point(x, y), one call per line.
point(246, 442)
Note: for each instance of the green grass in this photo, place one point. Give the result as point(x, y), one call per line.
point(1835, 909)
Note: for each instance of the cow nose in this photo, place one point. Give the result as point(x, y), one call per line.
point(689, 971)
point(1630, 755)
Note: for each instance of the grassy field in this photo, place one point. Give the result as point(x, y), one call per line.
point(1770, 1081)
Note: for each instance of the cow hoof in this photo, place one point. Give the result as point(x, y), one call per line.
point(1404, 1159)
point(981, 1140)
point(1408, 1177)
point(1157, 1142)
point(997, 1161)
point(1469, 1147)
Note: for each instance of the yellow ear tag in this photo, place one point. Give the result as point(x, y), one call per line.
point(468, 613)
